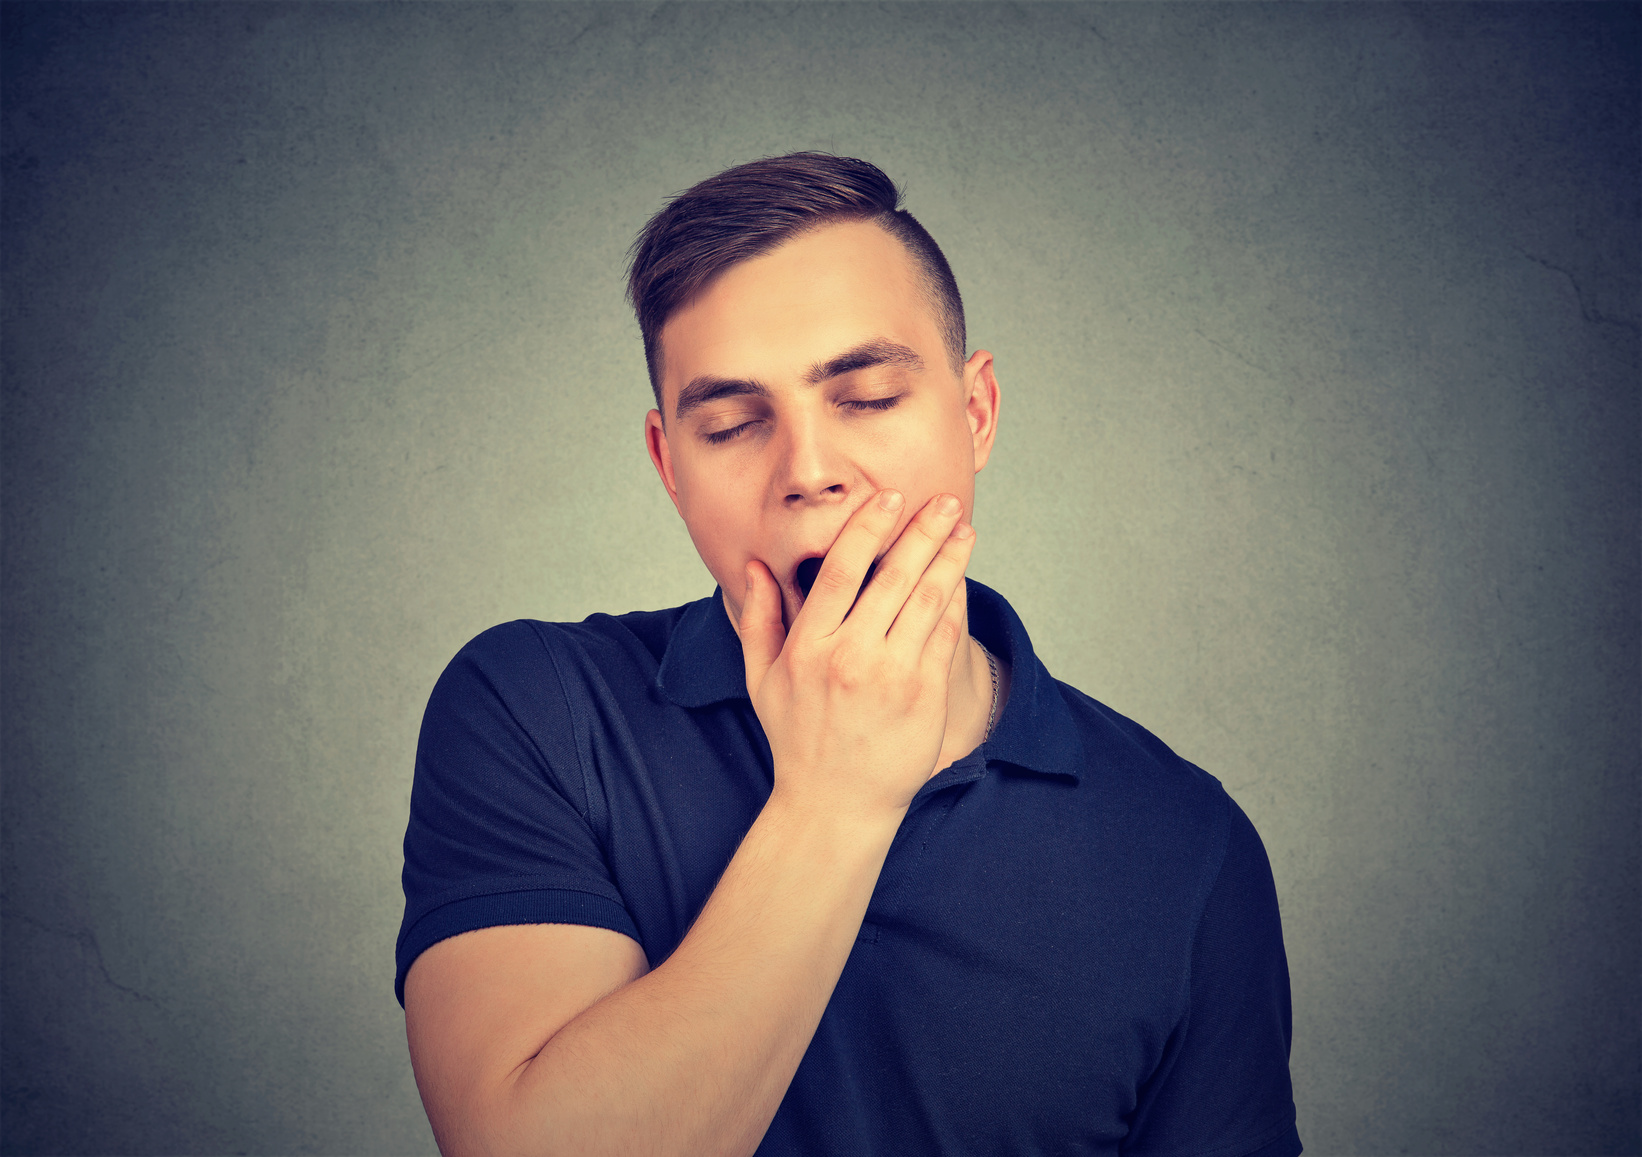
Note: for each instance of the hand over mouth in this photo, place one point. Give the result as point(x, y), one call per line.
point(811, 567)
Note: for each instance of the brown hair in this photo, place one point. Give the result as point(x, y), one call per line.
point(749, 210)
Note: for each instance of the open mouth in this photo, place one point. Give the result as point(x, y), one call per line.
point(807, 570)
point(810, 567)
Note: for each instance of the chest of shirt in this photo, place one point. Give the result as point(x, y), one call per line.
point(1006, 898)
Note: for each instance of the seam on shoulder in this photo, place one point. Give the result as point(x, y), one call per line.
point(594, 813)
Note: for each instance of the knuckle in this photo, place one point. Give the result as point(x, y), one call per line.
point(832, 578)
point(948, 631)
point(928, 597)
point(890, 574)
point(844, 667)
point(929, 527)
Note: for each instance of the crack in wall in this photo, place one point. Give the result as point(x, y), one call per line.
point(1594, 316)
point(1222, 346)
point(87, 940)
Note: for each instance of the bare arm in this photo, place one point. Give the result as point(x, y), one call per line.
point(693, 1057)
point(553, 1039)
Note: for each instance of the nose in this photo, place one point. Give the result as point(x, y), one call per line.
point(811, 469)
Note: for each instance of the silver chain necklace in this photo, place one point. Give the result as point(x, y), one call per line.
point(992, 666)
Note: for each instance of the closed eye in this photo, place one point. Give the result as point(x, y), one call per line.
point(874, 403)
point(719, 437)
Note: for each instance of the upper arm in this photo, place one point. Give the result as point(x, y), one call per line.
point(480, 1006)
point(1222, 1085)
point(512, 924)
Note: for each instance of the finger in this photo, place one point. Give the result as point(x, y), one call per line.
point(941, 649)
point(901, 568)
point(839, 579)
point(935, 591)
point(760, 629)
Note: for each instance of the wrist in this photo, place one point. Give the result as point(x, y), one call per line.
point(824, 827)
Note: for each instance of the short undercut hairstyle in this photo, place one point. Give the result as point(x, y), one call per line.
point(749, 210)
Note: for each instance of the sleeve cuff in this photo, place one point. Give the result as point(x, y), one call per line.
point(530, 907)
point(1285, 1144)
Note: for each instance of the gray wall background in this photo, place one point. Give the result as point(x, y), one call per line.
point(1319, 456)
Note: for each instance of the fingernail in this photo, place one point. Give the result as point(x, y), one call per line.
point(962, 530)
point(890, 499)
point(949, 505)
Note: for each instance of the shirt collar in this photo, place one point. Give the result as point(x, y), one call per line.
point(702, 666)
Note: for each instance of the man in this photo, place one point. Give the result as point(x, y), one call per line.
point(827, 862)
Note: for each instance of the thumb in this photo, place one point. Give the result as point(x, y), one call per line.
point(762, 634)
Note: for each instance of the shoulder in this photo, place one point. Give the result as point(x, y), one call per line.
point(650, 630)
point(537, 678)
point(1118, 749)
point(1158, 793)
point(1129, 783)
point(524, 650)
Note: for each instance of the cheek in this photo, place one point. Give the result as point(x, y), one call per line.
point(716, 513)
point(929, 465)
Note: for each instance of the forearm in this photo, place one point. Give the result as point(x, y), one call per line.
point(695, 1056)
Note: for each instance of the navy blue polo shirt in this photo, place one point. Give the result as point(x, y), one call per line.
point(1073, 946)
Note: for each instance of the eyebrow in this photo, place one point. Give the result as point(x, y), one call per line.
point(707, 388)
point(878, 352)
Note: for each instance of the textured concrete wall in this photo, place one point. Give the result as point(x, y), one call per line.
point(1319, 456)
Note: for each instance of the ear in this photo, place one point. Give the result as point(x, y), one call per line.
point(981, 404)
point(661, 455)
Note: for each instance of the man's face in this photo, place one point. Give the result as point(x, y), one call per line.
point(799, 384)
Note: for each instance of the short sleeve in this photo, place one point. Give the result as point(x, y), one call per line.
point(499, 829)
point(1222, 1087)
